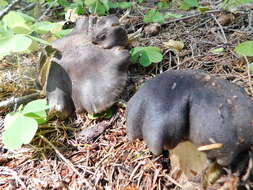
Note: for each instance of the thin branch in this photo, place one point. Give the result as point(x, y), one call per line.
point(8, 8)
point(221, 29)
point(20, 100)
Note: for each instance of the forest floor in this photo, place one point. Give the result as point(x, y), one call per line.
point(109, 160)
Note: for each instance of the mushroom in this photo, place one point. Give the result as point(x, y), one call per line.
point(188, 105)
point(90, 69)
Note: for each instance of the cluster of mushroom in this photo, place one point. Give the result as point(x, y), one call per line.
point(173, 107)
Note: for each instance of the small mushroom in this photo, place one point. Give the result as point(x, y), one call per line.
point(90, 70)
point(179, 106)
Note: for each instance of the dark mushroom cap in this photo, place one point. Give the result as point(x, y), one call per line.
point(92, 67)
point(176, 106)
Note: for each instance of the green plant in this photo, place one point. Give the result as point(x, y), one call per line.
point(188, 4)
point(101, 7)
point(153, 15)
point(146, 55)
point(21, 126)
point(246, 49)
point(19, 33)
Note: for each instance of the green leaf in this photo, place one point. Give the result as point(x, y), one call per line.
point(3, 4)
point(125, 5)
point(153, 16)
point(45, 27)
point(134, 52)
point(163, 5)
point(251, 67)
point(96, 7)
point(154, 54)
point(64, 3)
point(36, 109)
point(18, 130)
point(146, 55)
point(245, 48)
point(36, 106)
point(216, 50)
point(39, 40)
point(18, 22)
point(62, 33)
point(188, 4)
point(15, 43)
point(144, 59)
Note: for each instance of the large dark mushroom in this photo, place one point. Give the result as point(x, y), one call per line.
point(90, 70)
point(178, 106)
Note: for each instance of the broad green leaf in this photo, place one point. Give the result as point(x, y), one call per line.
point(136, 50)
point(96, 7)
point(26, 17)
point(90, 2)
point(146, 55)
point(125, 5)
point(135, 54)
point(153, 16)
point(245, 48)
point(36, 106)
point(64, 3)
point(12, 19)
point(188, 4)
point(15, 43)
point(251, 67)
point(62, 33)
point(21, 28)
point(45, 27)
point(18, 130)
point(144, 59)
point(105, 3)
point(39, 40)
point(216, 50)
point(3, 4)
point(163, 5)
point(36, 109)
point(154, 54)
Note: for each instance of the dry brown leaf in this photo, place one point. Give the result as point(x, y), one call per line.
point(173, 45)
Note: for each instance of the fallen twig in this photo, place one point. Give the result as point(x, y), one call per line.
point(90, 133)
point(8, 8)
point(221, 29)
point(20, 100)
